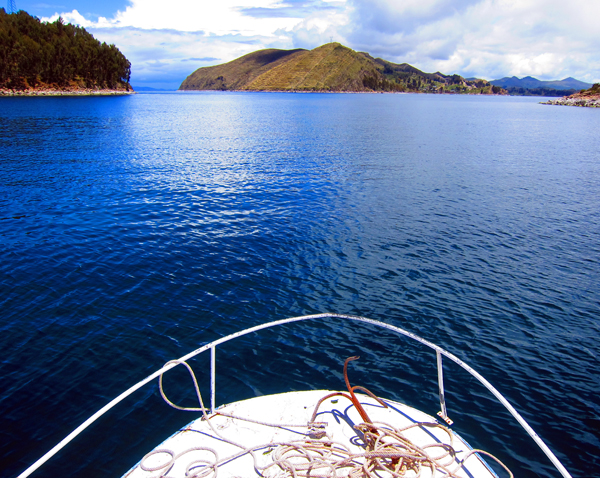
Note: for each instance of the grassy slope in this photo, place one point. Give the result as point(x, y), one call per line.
point(238, 73)
point(329, 67)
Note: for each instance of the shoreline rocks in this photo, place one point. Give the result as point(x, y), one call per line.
point(589, 102)
point(64, 92)
point(586, 98)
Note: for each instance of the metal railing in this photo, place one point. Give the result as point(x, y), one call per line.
point(212, 347)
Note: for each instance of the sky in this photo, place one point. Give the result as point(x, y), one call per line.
point(166, 40)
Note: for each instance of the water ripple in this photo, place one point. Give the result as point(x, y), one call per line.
point(134, 229)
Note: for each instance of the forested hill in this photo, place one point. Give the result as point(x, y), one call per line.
point(330, 67)
point(35, 54)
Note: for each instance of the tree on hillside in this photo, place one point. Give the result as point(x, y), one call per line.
point(57, 53)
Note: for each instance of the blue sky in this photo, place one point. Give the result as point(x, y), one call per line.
point(166, 40)
point(91, 9)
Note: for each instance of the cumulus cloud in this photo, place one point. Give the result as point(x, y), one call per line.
point(484, 38)
point(321, 27)
point(218, 17)
point(291, 9)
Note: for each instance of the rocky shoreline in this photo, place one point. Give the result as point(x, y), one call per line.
point(589, 102)
point(64, 92)
point(586, 98)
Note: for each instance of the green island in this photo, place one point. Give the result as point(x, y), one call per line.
point(39, 58)
point(329, 68)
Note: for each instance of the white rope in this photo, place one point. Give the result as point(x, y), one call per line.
point(391, 454)
point(387, 451)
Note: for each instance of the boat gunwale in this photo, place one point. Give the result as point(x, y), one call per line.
point(212, 346)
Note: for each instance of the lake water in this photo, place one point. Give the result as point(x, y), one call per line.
point(135, 229)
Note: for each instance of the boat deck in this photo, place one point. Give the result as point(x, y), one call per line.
point(271, 436)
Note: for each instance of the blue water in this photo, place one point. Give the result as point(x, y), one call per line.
point(134, 229)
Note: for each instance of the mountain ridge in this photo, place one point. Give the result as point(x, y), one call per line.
point(331, 67)
point(529, 82)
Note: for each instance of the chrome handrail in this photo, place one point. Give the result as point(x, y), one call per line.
point(212, 347)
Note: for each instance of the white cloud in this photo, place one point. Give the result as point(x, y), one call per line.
point(73, 17)
point(319, 28)
point(218, 17)
point(486, 38)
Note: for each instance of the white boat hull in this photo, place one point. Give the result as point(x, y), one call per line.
point(278, 438)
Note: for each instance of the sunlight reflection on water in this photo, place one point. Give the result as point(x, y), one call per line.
point(134, 229)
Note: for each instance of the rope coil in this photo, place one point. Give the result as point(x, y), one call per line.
point(387, 452)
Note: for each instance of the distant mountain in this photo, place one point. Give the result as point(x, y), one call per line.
point(149, 89)
point(330, 67)
point(530, 83)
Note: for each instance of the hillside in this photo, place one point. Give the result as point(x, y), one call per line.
point(330, 67)
point(39, 56)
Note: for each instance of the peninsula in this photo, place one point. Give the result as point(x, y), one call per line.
point(40, 59)
point(589, 98)
point(329, 68)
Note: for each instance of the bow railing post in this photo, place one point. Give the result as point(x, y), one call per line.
point(212, 377)
point(442, 413)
